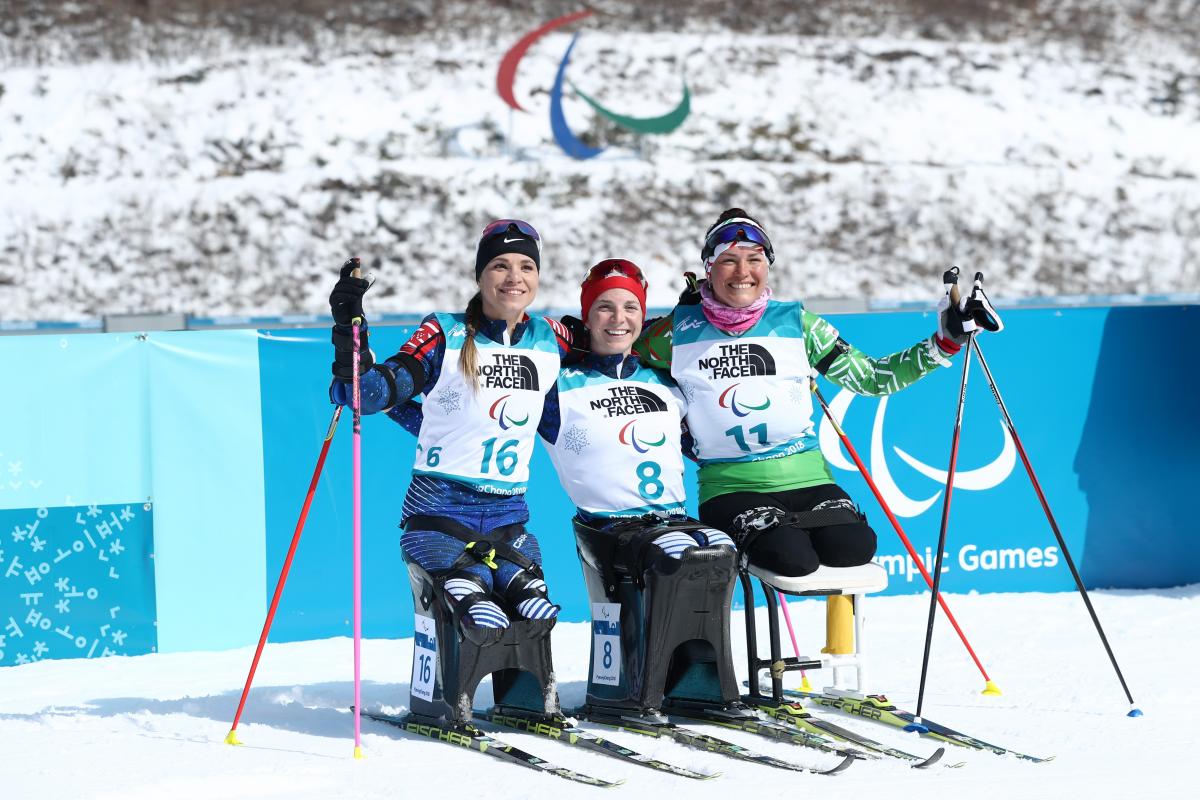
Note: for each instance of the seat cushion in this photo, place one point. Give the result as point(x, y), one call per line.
point(828, 580)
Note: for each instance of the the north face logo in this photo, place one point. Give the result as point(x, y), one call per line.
point(623, 400)
point(746, 360)
point(505, 371)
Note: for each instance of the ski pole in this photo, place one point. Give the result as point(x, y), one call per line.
point(356, 398)
point(805, 686)
point(231, 738)
point(989, 687)
point(951, 278)
point(1134, 711)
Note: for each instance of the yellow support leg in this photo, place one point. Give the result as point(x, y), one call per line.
point(839, 625)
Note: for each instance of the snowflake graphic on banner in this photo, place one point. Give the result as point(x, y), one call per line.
point(76, 582)
point(449, 400)
point(575, 439)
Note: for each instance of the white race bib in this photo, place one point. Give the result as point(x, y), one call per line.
point(606, 643)
point(425, 665)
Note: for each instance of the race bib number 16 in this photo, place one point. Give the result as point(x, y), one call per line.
point(606, 643)
point(424, 658)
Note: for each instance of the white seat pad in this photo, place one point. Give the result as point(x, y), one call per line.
point(828, 580)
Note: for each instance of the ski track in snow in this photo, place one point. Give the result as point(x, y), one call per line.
point(153, 726)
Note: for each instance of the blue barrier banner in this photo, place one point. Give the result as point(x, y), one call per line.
point(1114, 458)
point(76, 582)
point(220, 430)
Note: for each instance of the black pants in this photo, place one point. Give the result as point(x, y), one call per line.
point(789, 550)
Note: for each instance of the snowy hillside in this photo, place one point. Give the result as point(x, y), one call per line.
point(151, 727)
point(235, 180)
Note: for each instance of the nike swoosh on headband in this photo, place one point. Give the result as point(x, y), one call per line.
point(518, 239)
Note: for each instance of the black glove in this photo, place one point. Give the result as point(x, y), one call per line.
point(343, 353)
point(345, 301)
point(690, 296)
point(970, 313)
point(581, 340)
point(954, 324)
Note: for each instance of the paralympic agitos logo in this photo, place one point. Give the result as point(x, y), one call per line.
point(628, 436)
point(499, 412)
point(571, 144)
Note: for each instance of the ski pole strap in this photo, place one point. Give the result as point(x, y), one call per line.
point(480, 547)
point(840, 347)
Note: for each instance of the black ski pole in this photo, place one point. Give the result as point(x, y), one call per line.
point(1134, 711)
point(950, 280)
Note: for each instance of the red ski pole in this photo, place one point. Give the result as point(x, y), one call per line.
point(231, 738)
point(989, 687)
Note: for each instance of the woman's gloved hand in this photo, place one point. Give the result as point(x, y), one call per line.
point(345, 301)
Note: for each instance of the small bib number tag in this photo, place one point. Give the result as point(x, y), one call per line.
point(606, 643)
point(424, 658)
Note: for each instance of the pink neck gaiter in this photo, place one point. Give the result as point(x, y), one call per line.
point(732, 320)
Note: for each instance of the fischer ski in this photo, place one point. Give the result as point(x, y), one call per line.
point(561, 729)
point(878, 708)
point(472, 738)
point(769, 729)
point(703, 741)
point(795, 714)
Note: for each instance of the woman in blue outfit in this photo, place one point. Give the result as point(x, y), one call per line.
point(484, 375)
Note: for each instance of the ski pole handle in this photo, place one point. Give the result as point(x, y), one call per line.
point(356, 273)
point(950, 281)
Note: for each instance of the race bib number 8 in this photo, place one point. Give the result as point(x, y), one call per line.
point(606, 643)
point(424, 658)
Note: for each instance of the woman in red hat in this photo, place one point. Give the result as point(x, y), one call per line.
point(614, 430)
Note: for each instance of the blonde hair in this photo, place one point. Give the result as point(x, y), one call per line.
point(466, 358)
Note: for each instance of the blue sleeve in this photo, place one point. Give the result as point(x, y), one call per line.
point(551, 417)
point(374, 393)
point(687, 444)
point(408, 416)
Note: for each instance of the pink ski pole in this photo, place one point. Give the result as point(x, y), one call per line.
point(357, 456)
point(787, 617)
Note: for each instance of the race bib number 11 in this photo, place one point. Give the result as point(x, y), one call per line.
point(424, 658)
point(606, 643)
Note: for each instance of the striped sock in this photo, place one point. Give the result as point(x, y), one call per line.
point(483, 613)
point(673, 543)
point(537, 607)
point(714, 538)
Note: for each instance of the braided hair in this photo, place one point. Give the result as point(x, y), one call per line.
point(466, 358)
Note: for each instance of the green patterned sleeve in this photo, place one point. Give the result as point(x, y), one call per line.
point(852, 369)
point(653, 347)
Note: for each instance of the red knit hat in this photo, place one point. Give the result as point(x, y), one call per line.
point(612, 273)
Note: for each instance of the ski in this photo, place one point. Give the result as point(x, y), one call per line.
point(795, 714)
point(878, 708)
point(561, 729)
point(472, 738)
point(703, 741)
point(769, 729)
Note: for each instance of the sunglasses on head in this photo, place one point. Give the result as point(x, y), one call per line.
point(615, 266)
point(737, 230)
point(511, 226)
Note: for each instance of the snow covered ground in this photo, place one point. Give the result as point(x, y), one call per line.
point(152, 726)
